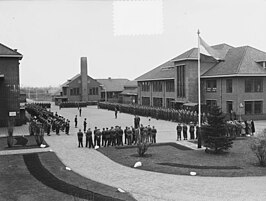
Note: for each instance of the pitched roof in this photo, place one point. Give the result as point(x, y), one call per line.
point(70, 80)
point(240, 61)
point(8, 52)
point(113, 84)
point(166, 70)
point(130, 92)
point(131, 83)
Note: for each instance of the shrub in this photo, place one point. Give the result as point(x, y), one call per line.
point(258, 146)
point(142, 148)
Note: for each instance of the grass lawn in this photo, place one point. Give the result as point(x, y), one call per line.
point(51, 181)
point(238, 161)
point(20, 142)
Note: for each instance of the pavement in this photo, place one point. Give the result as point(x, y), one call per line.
point(145, 185)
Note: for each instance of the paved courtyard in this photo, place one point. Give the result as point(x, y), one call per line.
point(144, 185)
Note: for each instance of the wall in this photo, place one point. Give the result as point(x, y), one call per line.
point(9, 89)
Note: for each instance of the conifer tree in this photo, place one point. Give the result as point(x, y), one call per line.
point(215, 133)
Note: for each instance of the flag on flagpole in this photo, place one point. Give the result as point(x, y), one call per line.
point(214, 53)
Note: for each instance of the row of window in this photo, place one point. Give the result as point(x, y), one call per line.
point(157, 102)
point(76, 91)
point(250, 107)
point(94, 91)
point(157, 86)
point(251, 85)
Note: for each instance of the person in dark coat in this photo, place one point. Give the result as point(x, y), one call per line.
point(80, 111)
point(76, 121)
point(116, 112)
point(80, 138)
point(89, 138)
point(179, 130)
point(153, 134)
point(252, 127)
point(84, 125)
point(191, 131)
point(185, 131)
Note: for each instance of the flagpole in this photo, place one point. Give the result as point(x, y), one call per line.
point(199, 98)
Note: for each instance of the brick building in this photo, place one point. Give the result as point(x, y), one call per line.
point(84, 88)
point(9, 85)
point(81, 87)
point(234, 83)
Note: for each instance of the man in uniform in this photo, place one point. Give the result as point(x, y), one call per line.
point(85, 124)
point(76, 121)
point(80, 138)
point(179, 130)
point(89, 138)
point(153, 134)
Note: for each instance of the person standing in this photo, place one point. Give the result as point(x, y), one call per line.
point(185, 131)
point(153, 134)
point(179, 130)
point(76, 121)
point(80, 138)
point(246, 128)
point(191, 131)
point(85, 125)
point(115, 112)
point(67, 127)
point(252, 127)
point(89, 138)
point(80, 111)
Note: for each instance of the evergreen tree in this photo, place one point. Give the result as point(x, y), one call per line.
point(215, 133)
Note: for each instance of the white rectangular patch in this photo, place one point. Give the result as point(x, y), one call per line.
point(137, 17)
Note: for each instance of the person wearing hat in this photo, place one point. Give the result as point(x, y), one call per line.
point(179, 130)
point(191, 131)
point(80, 138)
point(89, 138)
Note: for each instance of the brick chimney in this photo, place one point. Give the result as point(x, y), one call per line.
point(84, 79)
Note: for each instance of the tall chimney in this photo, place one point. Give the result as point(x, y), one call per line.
point(84, 79)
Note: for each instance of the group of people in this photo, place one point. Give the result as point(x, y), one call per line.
point(169, 114)
point(43, 121)
point(116, 136)
point(186, 129)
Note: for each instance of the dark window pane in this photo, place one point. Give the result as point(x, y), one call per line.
point(248, 85)
point(229, 86)
point(248, 107)
point(258, 85)
point(258, 107)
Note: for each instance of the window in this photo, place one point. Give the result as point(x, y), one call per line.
point(71, 92)
point(157, 102)
point(169, 102)
point(253, 107)
point(77, 91)
point(170, 85)
point(229, 86)
point(211, 103)
point(96, 91)
point(229, 106)
point(146, 101)
point(257, 107)
point(211, 86)
point(180, 81)
point(157, 86)
point(254, 85)
point(145, 86)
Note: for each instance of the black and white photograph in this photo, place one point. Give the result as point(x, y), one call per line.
point(132, 100)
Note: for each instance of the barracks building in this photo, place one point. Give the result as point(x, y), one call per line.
point(9, 85)
point(84, 88)
point(236, 83)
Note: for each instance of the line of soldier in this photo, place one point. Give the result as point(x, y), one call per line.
point(114, 136)
point(185, 129)
point(46, 120)
point(170, 114)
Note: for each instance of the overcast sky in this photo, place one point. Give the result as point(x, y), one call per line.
point(121, 39)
